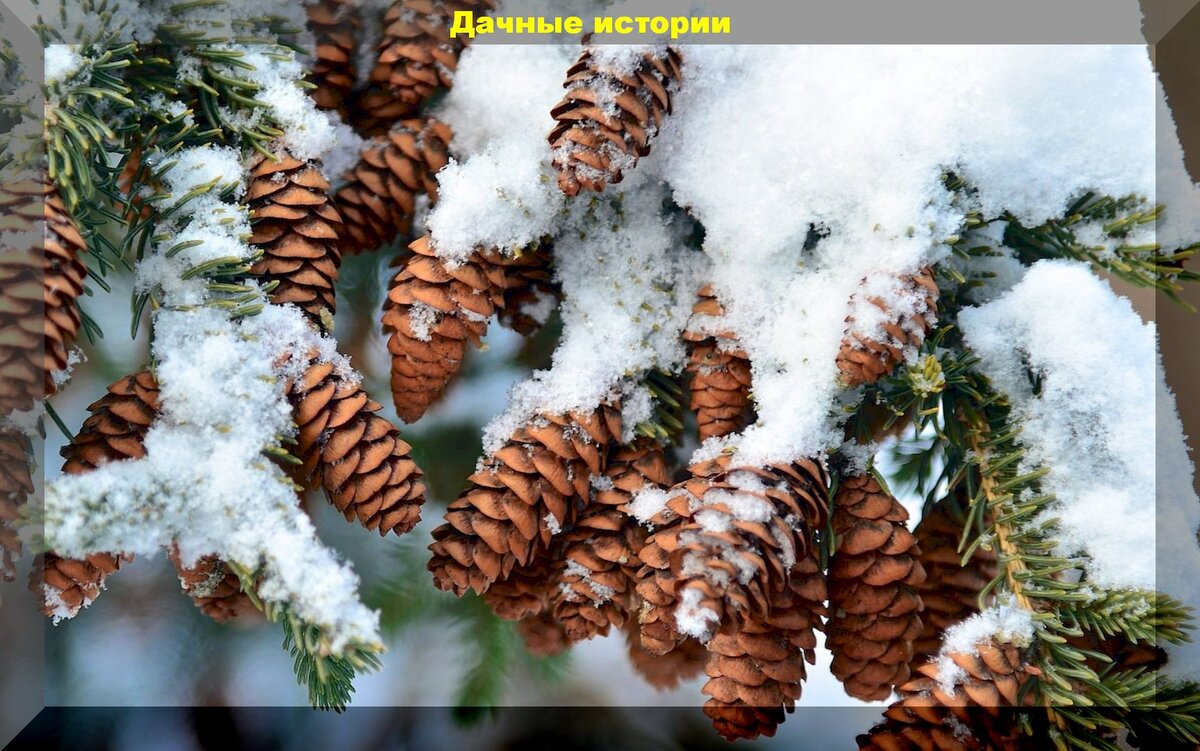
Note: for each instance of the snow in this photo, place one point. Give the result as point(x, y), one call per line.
point(1001, 624)
point(61, 61)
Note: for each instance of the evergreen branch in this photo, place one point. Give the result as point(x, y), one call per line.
point(666, 422)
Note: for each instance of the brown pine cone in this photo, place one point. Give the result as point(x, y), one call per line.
point(543, 635)
point(608, 116)
point(16, 485)
point(379, 196)
point(531, 294)
point(665, 671)
point(335, 26)
point(874, 600)
point(215, 589)
point(729, 565)
point(720, 371)
point(975, 716)
point(296, 227)
point(599, 555)
point(531, 488)
point(950, 591)
point(865, 359)
point(67, 585)
point(354, 454)
point(417, 54)
point(432, 311)
point(527, 590)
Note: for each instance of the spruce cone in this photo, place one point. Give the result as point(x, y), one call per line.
point(433, 310)
point(41, 285)
point(215, 589)
point(874, 602)
point(976, 716)
point(666, 671)
point(608, 116)
point(296, 227)
point(950, 591)
point(526, 592)
point(756, 670)
point(863, 358)
point(531, 294)
point(521, 496)
point(543, 635)
point(380, 194)
point(730, 559)
point(720, 371)
point(416, 53)
point(356, 455)
point(335, 25)
point(600, 553)
point(16, 485)
point(68, 585)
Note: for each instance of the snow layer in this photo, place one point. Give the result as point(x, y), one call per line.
point(1001, 624)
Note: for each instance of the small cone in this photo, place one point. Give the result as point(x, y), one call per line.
point(531, 294)
point(608, 116)
point(874, 601)
point(666, 671)
point(543, 635)
point(296, 227)
point(214, 588)
point(380, 193)
point(865, 357)
point(526, 592)
point(720, 370)
point(68, 585)
point(16, 485)
point(521, 496)
point(354, 454)
point(335, 26)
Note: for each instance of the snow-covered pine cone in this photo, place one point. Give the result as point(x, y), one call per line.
point(335, 25)
point(433, 310)
point(656, 585)
point(296, 226)
point(16, 485)
point(532, 293)
point(866, 356)
point(951, 590)
point(605, 121)
point(599, 554)
point(974, 716)
point(720, 371)
point(665, 671)
point(214, 588)
point(529, 489)
point(380, 193)
point(874, 597)
point(41, 283)
point(357, 456)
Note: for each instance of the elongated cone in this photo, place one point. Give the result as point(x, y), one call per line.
point(113, 431)
point(531, 294)
point(720, 370)
point(745, 529)
point(951, 590)
point(417, 54)
point(214, 588)
point(756, 669)
point(532, 487)
point(16, 485)
point(335, 26)
point(867, 355)
point(973, 711)
point(41, 279)
point(543, 635)
point(433, 310)
point(296, 227)
point(379, 195)
point(656, 585)
point(874, 600)
point(599, 557)
point(357, 456)
point(666, 671)
point(526, 592)
point(610, 112)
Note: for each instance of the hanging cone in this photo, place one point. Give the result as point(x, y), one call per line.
point(527, 590)
point(215, 589)
point(380, 193)
point(728, 563)
point(874, 602)
point(335, 26)
point(666, 671)
point(531, 488)
point(976, 715)
point(600, 554)
point(532, 294)
point(543, 635)
point(296, 227)
point(950, 591)
point(608, 116)
point(16, 485)
point(417, 54)
point(67, 585)
point(756, 670)
point(867, 356)
point(720, 370)
point(432, 311)
point(354, 454)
